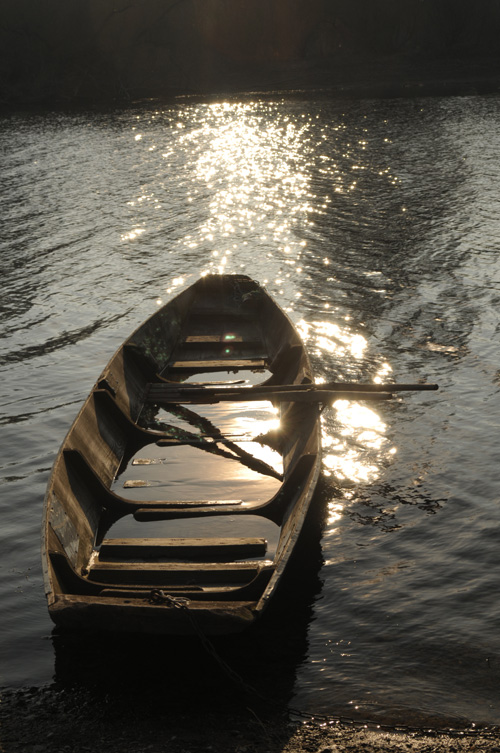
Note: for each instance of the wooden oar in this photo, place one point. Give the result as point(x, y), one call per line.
point(158, 394)
point(331, 386)
point(373, 387)
point(180, 393)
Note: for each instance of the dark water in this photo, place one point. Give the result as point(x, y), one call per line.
point(376, 224)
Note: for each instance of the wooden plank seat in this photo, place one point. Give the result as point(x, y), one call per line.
point(169, 573)
point(80, 584)
point(220, 343)
point(217, 364)
point(218, 338)
point(200, 347)
point(195, 549)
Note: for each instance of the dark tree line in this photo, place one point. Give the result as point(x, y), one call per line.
point(99, 49)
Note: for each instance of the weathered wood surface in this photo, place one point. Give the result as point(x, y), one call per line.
point(167, 392)
point(166, 573)
point(219, 364)
point(162, 393)
point(198, 549)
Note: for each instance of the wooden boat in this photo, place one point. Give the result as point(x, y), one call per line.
point(171, 552)
point(168, 579)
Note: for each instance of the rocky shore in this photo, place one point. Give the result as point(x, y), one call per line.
point(55, 720)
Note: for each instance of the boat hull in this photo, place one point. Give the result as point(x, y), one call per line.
point(227, 326)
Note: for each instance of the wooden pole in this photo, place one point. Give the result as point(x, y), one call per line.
point(321, 393)
point(314, 395)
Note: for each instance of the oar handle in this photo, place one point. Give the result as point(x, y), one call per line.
point(374, 387)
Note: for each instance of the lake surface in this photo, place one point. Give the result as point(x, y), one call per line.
point(376, 225)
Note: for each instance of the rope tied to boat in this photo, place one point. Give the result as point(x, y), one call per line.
point(472, 731)
point(157, 596)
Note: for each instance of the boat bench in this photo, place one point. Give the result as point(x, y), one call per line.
point(217, 364)
point(123, 583)
point(176, 574)
point(177, 561)
point(219, 340)
point(197, 549)
point(221, 343)
point(201, 349)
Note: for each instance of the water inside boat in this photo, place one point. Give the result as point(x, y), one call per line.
point(166, 473)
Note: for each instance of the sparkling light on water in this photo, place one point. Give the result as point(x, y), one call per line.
point(375, 224)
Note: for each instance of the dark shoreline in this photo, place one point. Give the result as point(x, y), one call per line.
point(383, 79)
point(121, 51)
point(49, 719)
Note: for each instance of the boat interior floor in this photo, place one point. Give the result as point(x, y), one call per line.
point(195, 533)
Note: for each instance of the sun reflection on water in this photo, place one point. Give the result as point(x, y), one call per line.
point(241, 423)
point(355, 450)
point(331, 338)
point(256, 179)
point(254, 165)
point(359, 428)
point(354, 435)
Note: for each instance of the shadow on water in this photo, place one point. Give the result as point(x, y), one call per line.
point(182, 672)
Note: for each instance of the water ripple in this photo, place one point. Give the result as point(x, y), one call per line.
point(375, 224)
